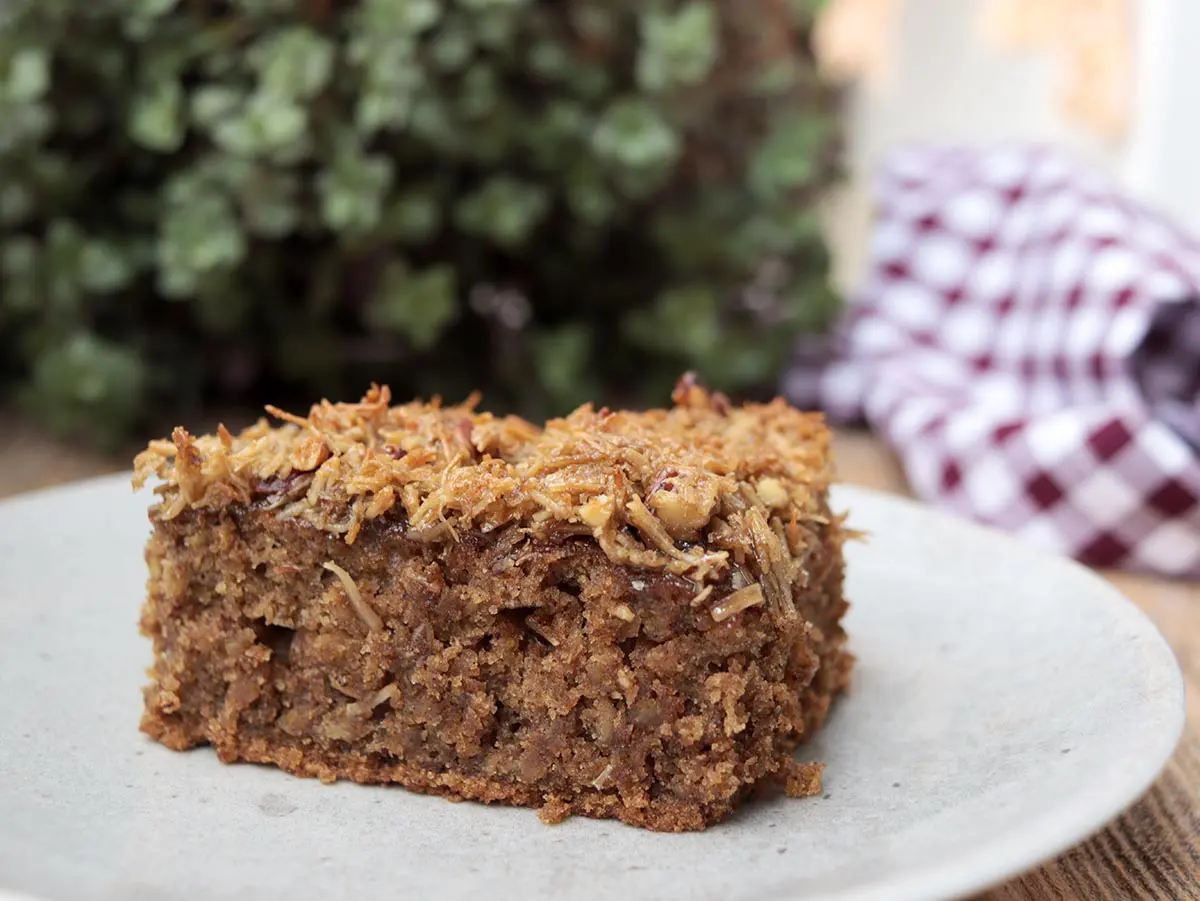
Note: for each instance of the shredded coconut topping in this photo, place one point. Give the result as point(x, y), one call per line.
point(693, 490)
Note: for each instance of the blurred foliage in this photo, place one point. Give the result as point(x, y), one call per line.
point(556, 200)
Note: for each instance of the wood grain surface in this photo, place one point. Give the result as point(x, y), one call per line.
point(1150, 852)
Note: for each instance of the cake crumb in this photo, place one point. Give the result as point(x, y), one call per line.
point(803, 780)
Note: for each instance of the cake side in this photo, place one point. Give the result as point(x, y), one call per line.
point(506, 668)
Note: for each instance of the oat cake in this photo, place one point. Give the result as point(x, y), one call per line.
point(617, 614)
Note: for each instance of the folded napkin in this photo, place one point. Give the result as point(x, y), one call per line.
point(1028, 342)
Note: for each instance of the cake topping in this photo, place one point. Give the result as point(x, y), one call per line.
point(694, 490)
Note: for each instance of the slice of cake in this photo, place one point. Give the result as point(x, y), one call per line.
point(630, 615)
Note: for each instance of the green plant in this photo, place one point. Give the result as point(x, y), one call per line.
point(552, 199)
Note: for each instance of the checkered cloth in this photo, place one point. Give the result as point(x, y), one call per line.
point(1028, 341)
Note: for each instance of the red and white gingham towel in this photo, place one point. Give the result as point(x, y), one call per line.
point(1028, 341)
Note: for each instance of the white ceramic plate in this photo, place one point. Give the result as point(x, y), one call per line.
point(1005, 705)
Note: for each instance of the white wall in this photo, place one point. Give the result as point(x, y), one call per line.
point(1162, 158)
point(948, 85)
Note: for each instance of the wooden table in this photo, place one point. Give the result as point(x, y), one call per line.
point(1151, 852)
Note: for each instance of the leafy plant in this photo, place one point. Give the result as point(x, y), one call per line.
point(556, 200)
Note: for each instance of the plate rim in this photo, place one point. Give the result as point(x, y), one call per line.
point(1074, 819)
point(1020, 848)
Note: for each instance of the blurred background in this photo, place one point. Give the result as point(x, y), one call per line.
point(205, 206)
point(1106, 80)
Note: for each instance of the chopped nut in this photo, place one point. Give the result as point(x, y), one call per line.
point(622, 611)
point(597, 512)
point(772, 492)
point(310, 453)
point(687, 506)
point(381, 502)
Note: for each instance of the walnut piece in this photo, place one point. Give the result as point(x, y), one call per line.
point(685, 503)
point(309, 453)
point(772, 492)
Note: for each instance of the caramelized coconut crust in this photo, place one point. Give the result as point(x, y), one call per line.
point(694, 490)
